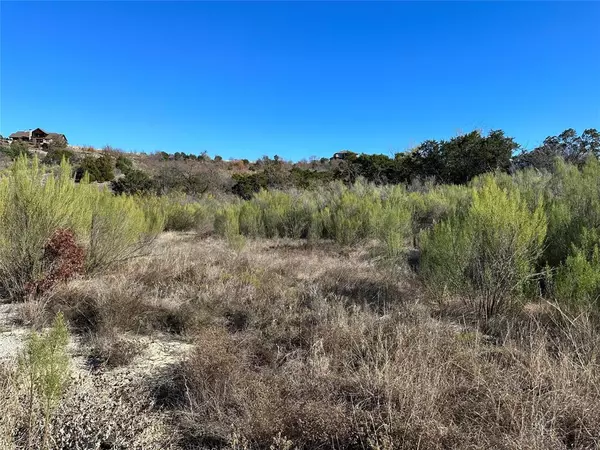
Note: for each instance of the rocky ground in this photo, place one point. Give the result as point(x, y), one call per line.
point(287, 344)
point(106, 409)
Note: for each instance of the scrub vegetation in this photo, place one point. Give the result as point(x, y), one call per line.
point(445, 298)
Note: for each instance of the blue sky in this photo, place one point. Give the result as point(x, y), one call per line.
point(296, 79)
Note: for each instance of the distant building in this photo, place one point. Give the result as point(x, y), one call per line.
point(344, 154)
point(38, 137)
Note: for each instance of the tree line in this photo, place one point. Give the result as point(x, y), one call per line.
point(453, 161)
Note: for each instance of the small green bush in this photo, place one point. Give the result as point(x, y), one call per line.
point(354, 217)
point(180, 218)
point(98, 169)
point(274, 206)
point(55, 155)
point(251, 220)
point(435, 205)
point(16, 149)
point(133, 182)
point(395, 224)
point(120, 229)
point(181, 213)
point(124, 164)
point(247, 185)
point(577, 281)
point(45, 368)
point(488, 255)
point(573, 208)
point(227, 221)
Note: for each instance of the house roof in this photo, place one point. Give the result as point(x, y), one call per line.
point(27, 134)
point(19, 134)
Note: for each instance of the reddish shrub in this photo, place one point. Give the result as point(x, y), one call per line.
point(63, 259)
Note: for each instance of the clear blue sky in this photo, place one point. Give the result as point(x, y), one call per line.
point(297, 79)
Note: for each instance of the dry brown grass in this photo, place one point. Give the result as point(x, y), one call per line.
point(110, 350)
point(10, 406)
point(313, 347)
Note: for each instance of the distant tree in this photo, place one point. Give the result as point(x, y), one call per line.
point(192, 178)
point(457, 160)
point(55, 156)
point(218, 158)
point(247, 185)
point(308, 179)
point(471, 154)
point(427, 160)
point(180, 177)
point(378, 169)
point(99, 169)
point(56, 151)
point(567, 146)
point(134, 182)
point(347, 169)
point(124, 164)
point(16, 149)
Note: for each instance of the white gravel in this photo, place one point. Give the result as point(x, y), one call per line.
point(11, 335)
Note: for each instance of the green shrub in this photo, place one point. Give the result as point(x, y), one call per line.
point(251, 220)
point(487, 255)
point(120, 229)
point(282, 214)
point(395, 223)
point(44, 365)
point(354, 217)
point(577, 282)
point(98, 169)
point(34, 203)
point(573, 207)
point(348, 216)
point(16, 149)
point(435, 205)
point(247, 185)
point(180, 218)
point(133, 182)
point(274, 206)
point(182, 214)
point(124, 164)
point(227, 225)
point(205, 215)
point(55, 155)
point(299, 217)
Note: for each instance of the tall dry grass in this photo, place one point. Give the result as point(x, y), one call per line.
point(310, 347)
